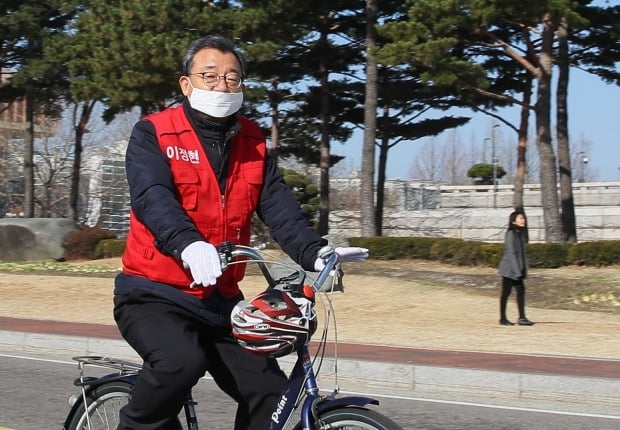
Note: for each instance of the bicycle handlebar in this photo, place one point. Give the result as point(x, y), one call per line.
point(228, 251)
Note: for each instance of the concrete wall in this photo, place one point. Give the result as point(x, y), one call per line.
point(414, 208)
point(481, 196)
point(467, 213)
point(487, 225)
point(344, 193)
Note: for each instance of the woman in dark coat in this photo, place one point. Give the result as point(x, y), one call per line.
point(513, 267)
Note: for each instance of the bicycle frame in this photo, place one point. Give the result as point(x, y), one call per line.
point(302, 376)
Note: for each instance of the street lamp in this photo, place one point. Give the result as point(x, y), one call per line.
point(484, 149)
point(494, 161)
point(583, 160)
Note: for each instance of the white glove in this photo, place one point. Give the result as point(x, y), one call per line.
point(203, 262)
point(348, 254)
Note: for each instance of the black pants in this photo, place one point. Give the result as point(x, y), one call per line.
point(178, 348)
point(507, 285)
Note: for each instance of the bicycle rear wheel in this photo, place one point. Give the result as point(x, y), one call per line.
point(352, 418)
point(103, 405)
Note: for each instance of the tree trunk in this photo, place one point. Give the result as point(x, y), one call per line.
point(324, 162)
point(381, 177)
point(369, 216)
point(524, 124)
point(80, 130)
point(275, 124)
point(566, 182)
point(29, 157)
point(548, 176)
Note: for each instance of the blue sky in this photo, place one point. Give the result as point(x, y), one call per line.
point(594, 115)
point(594, 112)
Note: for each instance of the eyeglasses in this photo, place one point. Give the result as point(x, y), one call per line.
point(210, 79)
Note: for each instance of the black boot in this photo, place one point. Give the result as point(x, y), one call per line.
point(504, 321)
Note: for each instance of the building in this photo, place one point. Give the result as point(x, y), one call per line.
point(13, 129)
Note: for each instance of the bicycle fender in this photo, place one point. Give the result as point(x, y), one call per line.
point(340, 402)
point(91, 385)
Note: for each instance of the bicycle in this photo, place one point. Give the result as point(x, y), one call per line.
point(101, 398)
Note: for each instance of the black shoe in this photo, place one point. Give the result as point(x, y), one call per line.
point(505, 322)
point(525, 321)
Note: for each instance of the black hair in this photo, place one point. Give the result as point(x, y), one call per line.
point(513, 217)
point(214, 41)
point(511, 225)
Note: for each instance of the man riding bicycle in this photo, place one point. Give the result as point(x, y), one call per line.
point(197, 172)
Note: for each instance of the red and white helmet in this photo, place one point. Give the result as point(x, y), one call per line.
point(273, 324)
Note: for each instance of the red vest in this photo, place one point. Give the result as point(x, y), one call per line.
point(217, 218)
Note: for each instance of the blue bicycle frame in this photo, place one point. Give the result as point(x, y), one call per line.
point(302, 377)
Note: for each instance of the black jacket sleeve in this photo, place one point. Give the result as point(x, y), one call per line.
point(288, 226)
point(152, 191)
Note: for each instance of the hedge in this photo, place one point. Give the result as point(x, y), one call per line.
point(97, 243)
point(473, 253)
point(109, 248)
point(82, 243)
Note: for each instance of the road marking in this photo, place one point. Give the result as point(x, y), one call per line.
point(46, 360)
point(483, 405)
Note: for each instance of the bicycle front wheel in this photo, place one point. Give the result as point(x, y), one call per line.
point(103, 406)
point(352, 418)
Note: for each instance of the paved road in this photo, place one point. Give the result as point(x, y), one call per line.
point(35, 389)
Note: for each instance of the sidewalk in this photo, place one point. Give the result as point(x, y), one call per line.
point(580, 384)
point(550, 365)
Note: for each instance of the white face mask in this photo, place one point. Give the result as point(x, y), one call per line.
point(216, 104)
